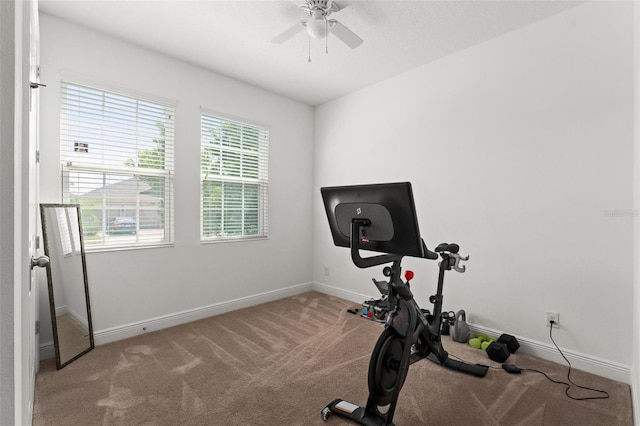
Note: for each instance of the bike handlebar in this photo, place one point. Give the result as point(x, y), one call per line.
point(456, 262)
point(450, 251)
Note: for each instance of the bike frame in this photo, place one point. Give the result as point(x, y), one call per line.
point(421, 334)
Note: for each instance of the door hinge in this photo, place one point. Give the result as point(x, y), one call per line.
point(37, 327)
point(37, 242)
point(37, 156)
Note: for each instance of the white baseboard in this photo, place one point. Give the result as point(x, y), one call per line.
point(65, 310)
point(594, 365)
point(47, 350)
point(79, 319)
point(153, 324)
point(341, 293)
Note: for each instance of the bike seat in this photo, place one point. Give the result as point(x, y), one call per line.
point(451, 248)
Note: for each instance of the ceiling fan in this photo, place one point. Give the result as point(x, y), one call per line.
point(318, 25)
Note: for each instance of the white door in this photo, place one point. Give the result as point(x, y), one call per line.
point(29, 359)
point(34, 125)
point(17, 170)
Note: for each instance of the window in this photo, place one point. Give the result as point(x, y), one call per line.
point(234, 186)
point(117, 163)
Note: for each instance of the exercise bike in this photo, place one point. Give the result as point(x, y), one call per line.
point(410, 333)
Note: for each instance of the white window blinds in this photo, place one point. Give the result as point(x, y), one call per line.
point(68, 230)
point(234, 173)
point(63, 231)
point(117, 163)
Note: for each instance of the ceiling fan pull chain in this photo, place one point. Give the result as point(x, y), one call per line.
point(309, 37)
point(326, 23)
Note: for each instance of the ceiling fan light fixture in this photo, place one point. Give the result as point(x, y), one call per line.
point(317, 27)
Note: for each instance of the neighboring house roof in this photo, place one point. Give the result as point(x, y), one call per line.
point(124, 193)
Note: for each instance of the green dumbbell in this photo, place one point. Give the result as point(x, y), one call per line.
point(482, 337)
point(475, 343)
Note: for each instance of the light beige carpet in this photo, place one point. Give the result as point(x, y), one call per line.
point(280, 363)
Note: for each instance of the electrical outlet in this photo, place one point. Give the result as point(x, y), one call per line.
point(552, 316)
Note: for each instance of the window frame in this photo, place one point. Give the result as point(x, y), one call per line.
point(167, 207)
point(262, 180)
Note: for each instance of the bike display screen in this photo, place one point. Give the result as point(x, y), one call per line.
point(389, 211)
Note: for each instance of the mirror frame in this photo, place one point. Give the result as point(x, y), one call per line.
point(52, 305)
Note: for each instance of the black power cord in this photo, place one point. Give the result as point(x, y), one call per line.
point(604, 394)
point(512, 369)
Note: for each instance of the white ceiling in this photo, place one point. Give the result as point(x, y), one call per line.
point(233, 38)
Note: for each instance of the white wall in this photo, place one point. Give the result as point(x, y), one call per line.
point(131, 289)
point(520, 149)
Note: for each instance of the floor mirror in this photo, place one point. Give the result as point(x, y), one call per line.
point(67, 282)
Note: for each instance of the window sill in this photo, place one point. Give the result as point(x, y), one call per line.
point(232, 240)
point(126, 248)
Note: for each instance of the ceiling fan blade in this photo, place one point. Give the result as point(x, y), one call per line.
point(345, 34)
point(343, 4)
point(287, 34)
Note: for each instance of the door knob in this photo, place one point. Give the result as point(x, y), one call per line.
point(41, 261)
